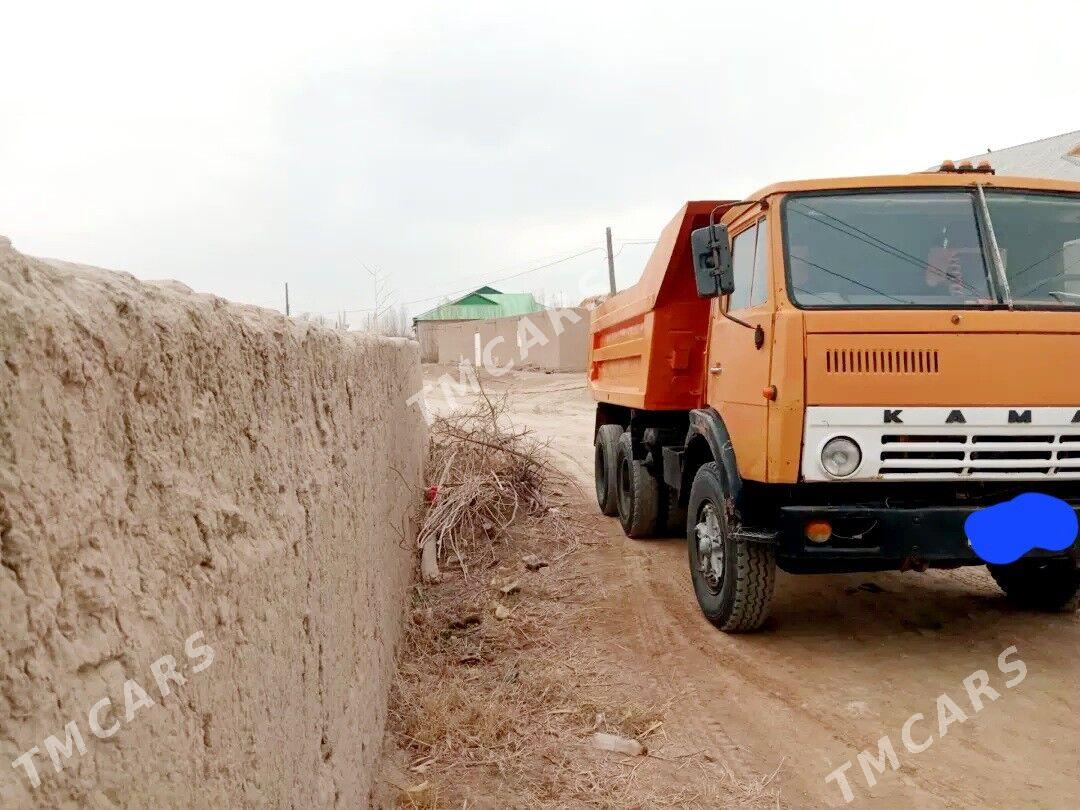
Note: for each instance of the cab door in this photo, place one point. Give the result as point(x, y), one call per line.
point(738, 373)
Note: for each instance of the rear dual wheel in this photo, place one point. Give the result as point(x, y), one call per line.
point(648, 507)
point(637, 492)
point(605, 470)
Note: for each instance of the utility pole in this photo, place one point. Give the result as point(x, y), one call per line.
point(610, 262)
point(287, 299)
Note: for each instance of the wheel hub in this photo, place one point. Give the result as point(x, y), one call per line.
point(710, 546)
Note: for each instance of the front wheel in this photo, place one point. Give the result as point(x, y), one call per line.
point(733, 579)
point(1042, 584)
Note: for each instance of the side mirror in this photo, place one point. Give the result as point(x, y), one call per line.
point(712, 261)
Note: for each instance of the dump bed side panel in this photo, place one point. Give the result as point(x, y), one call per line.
point(647, 343)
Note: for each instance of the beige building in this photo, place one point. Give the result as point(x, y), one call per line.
point(550, 340)
point(480, 304)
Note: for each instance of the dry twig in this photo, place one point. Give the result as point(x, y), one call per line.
point(486, 474)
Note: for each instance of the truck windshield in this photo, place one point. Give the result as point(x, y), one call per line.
point(1038, 236)
point(930, 249)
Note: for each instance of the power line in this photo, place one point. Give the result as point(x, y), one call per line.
point(635, 242)
point(451, 294)
point(507, 278)
point(336, 311)
point(542, 267)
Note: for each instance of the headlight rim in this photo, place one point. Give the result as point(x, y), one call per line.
point(858, 456)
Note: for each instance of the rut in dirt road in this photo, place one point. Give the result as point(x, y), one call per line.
point(840, 663)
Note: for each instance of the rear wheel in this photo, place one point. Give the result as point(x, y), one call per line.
point(733, 579)
point(1041, 584)
point(638, 492)
point(606, 448)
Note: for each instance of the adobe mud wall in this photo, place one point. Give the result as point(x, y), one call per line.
point(173, 465)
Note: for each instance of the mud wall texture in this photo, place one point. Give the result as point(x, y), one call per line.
point(172, 464)
point(552, 340)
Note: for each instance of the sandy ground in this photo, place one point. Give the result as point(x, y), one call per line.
point(838, 665)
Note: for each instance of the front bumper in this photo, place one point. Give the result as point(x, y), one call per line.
point(883, 538)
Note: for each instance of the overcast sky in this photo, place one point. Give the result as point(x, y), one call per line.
point(235, 147)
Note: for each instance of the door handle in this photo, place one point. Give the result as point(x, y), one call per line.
point(715, 369)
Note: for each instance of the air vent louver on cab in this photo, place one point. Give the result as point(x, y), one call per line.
point(881, 361)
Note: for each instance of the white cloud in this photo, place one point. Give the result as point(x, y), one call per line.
point(239, 146)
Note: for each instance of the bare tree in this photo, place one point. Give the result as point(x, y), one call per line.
point(403, 326)
point(545, 300)
point(384, 318)
point(383, 294)
point(314, 318)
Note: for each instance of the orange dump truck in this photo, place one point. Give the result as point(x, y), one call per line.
point(832, 375)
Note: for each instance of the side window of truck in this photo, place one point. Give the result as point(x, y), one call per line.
point(759, 292)
point(742, 258)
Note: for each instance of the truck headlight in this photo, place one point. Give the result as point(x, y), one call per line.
point(841, 456)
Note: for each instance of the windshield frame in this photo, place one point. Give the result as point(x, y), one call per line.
point(982, 229)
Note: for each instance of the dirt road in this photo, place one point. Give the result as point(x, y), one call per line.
point(844, 661)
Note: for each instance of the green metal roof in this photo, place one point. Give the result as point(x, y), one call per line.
point(483, 303)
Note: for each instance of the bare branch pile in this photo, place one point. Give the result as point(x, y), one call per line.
point(483, 474)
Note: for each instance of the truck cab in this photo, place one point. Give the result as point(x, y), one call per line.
point(834, 375)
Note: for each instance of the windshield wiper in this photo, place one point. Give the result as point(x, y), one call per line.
point(1057, 293)
point(995, 251)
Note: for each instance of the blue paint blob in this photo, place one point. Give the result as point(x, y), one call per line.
point(1005, 532)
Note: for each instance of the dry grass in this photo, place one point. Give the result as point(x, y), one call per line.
point(498, 713)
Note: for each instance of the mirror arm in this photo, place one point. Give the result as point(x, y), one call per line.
point(759, 333)
point(728, 206)
point(712, 229)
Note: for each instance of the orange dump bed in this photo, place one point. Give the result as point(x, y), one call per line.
point(647, 344)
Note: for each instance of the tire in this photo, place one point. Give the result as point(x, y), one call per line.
point(1052, 585)
point(637, 492)
point(733, 588)
point(607, 443)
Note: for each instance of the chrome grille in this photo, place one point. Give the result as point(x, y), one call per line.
point(987, 453)
point(948, 443)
